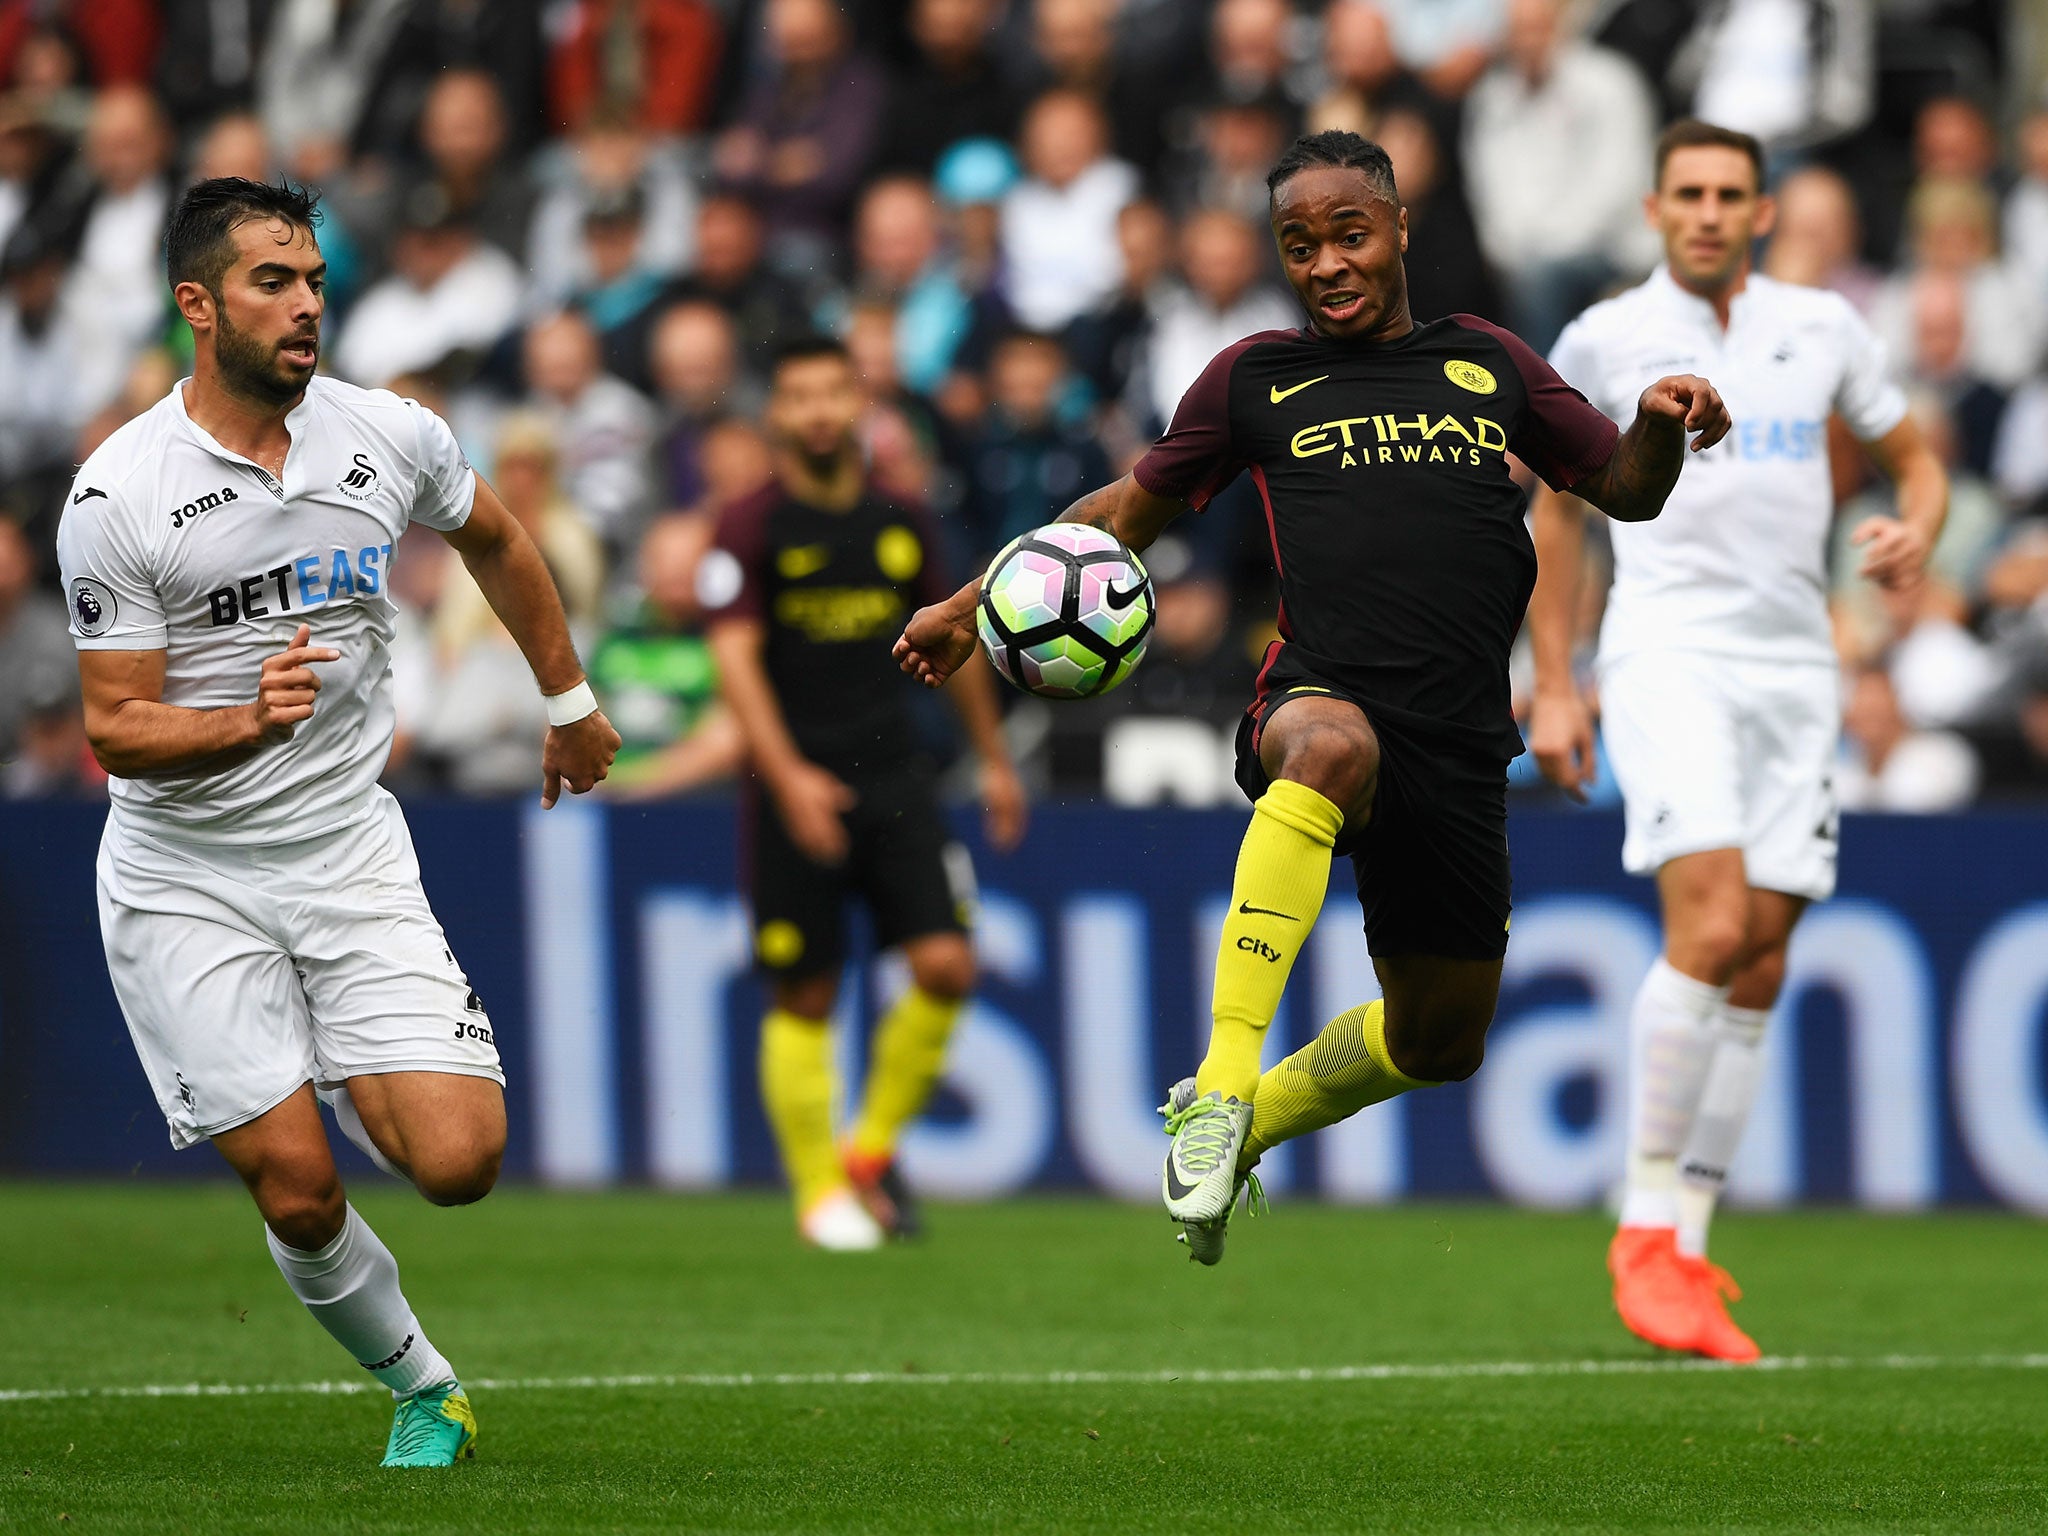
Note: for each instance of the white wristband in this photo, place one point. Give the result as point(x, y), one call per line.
point(567, 708)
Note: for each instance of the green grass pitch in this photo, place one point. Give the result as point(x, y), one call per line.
point(105, 1287)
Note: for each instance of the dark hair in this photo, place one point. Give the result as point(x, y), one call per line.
point(196, 244)
point(801, 349)
point(1338, 147)
point(1692, 133)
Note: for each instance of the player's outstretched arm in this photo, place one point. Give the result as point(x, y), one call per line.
point(135, 735)
point(939, 638)
point(1895, 549)
point(1560, 725)
point(1631, 486)
point(811, 800)
point(515, 581)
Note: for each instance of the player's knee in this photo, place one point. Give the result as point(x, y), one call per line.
point(808, 997)
point(1339, 762)
point(1712, 943)
point(306, 1212)
point(458, 1178)
point(944, 970)
point(1444, 1045)
point(1763, 977)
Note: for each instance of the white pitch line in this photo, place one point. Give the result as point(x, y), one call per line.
point(1441, 1371)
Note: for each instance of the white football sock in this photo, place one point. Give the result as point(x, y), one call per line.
point(351, 1123)
point(1725, 1102)
point(1671, 1042)
point(351, 1288)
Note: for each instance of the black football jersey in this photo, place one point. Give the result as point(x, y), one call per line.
point(1397, 530)
point(833, 590)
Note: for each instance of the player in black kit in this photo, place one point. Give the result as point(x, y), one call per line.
point(1381, 728)
point(806, 586)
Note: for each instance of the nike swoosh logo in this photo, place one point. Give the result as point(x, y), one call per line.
point(1280, 394)
point(1249, 910)
point(1117, 599)
point(1175, 1190)
point(87, 495)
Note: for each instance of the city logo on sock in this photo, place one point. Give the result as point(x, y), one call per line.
point(1259, 947)
point(1246, 909)
point(392, 1359)
point(1698, 1170)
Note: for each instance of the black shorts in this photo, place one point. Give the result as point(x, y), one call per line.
point(1432, 864)
point(903, 862)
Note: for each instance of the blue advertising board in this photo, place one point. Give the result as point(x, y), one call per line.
point(611, 947)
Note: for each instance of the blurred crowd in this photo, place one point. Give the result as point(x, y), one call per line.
point(580, 228)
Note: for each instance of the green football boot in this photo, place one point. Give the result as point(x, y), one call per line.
point(432, 1428)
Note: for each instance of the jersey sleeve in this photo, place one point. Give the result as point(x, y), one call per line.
point(109, 574)
point(1563, 436)
point(1866, 396)
point(729, 577)
point(444, 485)
point(1198, 457)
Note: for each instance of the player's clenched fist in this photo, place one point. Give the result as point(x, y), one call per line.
point(285, 689)
point(579, 755)
point(1694, 403)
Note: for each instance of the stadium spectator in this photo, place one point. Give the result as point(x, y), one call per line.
point(1953, 140)
point(449, 296)
point(501, 41)
point(1059, 223)
point(655, 675)
point(464, 138)
point(1074, 47)
point(233, 144)
point(1818, 238)
point(36, 658)
point(604, 428)
point(1231, 146)
point(207, 64)
point(898, 258)
point(1028, 464)
point(1557, 159)
point(1107, 344)
point(1446, 273)
point(899, 429)
point(2026, 206)
point(1888, 765)
point(118, 38)
point(695, 364)
point(1365, 76)
point(315, 76)
point(486, 715)
point(652, 63)
point(1448, 42)
point(41, 404)
point(619, 294)
point(112, 291)
point(766, 307)
point(806, 131)
point(603, 160)
point(1251, 50)
point(1794, 73)
point(953, 89)
point(1224, 299)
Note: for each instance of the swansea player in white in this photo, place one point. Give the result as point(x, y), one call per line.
point(227, 558)
point(1718, 685)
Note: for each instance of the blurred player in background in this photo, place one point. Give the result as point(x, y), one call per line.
point(1720, 696)
point(265, 928)
point(1381, 726)
point(807, 585)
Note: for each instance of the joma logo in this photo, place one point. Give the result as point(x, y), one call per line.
point(190, 512)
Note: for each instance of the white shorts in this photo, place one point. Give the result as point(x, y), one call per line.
point(247, 971)
point(1719, 752)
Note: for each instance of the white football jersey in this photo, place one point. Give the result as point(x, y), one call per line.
point(1737, 561)
point(170, 542)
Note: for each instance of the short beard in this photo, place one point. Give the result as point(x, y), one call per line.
point(823, 466)
point(248, 367)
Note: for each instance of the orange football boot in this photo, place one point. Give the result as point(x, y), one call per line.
point(1657, 1295)
point(1719, 1338)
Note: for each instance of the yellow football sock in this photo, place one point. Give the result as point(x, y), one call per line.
point(796, 1090)
point(904, 1061)
point(1332, 1078)
point(1283, 869)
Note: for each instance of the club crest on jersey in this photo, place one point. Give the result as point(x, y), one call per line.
point(360, 483)
point(1470, 376)
point(93, 606)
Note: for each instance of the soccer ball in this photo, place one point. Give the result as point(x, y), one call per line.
point(1065, 611)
